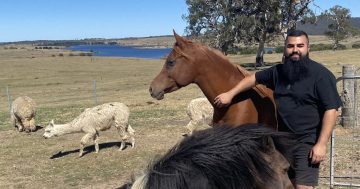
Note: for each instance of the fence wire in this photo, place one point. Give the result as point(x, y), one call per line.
point(343, 169)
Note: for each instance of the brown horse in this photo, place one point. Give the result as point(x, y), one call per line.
point(190, 62)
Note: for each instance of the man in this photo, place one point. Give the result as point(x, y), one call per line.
point(307, 101)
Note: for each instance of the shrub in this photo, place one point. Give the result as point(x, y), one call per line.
point(279, 49)
point(249, 50)
point(321, 47)
point(341, 47)
point(355, 46)
point(61, 54)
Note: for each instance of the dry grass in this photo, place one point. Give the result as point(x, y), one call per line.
point(63, 87)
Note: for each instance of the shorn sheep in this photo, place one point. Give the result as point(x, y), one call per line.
point(200, 112)
point(23, 111)
point(93, 120)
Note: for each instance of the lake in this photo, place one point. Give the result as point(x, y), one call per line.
point(128, 51)
point(123, 51)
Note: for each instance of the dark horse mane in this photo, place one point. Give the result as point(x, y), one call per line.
point(220, 157)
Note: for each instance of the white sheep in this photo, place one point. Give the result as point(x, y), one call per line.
point(93, 120)
point(23, 111)
point(200, 112)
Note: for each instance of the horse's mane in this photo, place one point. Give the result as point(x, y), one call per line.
point(213, 53)
point(219, 157)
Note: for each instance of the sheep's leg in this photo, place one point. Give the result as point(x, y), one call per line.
point(96, 141)
point(20, 125)
point(123, 137)
point(191, 126)
point(83, 141)
point(13, 120)
point(131, 132)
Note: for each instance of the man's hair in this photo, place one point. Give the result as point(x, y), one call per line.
point(297, 33)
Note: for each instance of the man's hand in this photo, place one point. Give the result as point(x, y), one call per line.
point(223, 100)
point(318, 153)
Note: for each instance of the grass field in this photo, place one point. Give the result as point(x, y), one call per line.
point(62, 87)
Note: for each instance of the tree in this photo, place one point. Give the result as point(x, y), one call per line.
point(340, 26)
point(226, 23)
point(212, 21)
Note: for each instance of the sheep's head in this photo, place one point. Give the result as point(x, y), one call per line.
point(29, 124)
point(50, 130)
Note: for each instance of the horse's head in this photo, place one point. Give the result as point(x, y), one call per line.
point(279, 165)
point(178, 71)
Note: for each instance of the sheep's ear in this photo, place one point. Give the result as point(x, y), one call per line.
point(52, 122)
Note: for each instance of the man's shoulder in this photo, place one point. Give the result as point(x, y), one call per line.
point(319, 68)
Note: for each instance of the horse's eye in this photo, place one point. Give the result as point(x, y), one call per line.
point(170, 63)
point(285, 170)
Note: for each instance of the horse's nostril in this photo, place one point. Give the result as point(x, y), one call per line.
point(150, 90)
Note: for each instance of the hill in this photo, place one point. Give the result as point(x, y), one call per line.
point(321, 26)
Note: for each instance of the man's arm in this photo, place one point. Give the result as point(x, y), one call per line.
point(318, 152)
point(224, 99)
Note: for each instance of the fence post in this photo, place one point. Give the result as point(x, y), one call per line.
point(348, 97)
point(332, 159)
point(94, 92)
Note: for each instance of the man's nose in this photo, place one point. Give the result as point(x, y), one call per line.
point(295, 49)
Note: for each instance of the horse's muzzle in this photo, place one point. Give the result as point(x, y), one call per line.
point(156, 95)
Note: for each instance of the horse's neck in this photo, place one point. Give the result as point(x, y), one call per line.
point(218, 78)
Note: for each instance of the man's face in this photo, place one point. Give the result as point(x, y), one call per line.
point(296, 48)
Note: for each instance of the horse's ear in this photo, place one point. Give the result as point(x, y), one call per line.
point(269, 143)
point(180, 41)
point(52, 122)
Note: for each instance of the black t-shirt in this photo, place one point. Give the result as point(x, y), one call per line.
point(301, 106)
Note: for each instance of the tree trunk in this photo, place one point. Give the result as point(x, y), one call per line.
point(260, 52)
point(336, 44)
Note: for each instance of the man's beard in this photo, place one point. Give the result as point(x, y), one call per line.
point(295, 70)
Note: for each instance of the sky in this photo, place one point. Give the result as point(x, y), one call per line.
point(78, 19)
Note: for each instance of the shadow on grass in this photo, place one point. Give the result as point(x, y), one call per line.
point(89, 149)
point(125, 186)
point(38, 127)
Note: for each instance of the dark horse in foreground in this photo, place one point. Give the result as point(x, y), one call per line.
point(246, 157)
point(191, 62)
